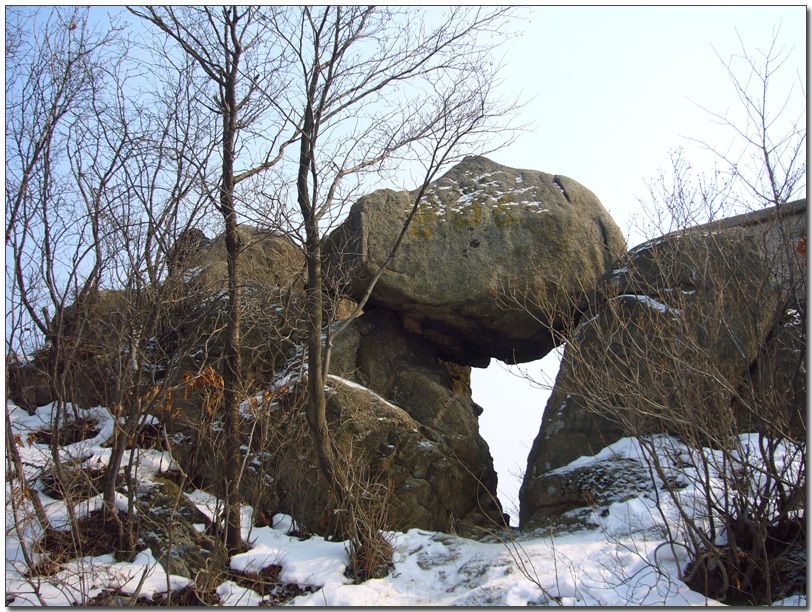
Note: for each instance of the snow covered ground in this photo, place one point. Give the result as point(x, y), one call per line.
point(621, 563)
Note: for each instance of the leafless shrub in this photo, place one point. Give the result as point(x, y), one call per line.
point(700, 333)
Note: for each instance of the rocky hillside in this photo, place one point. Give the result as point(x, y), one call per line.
point(497, 263)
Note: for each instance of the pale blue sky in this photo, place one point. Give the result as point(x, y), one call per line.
point(612, 91)
point(613, 87)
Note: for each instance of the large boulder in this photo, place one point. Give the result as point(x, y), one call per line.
point(671, 331)
point(486, 246)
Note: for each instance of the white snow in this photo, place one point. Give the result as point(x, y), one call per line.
point(82, 579)
point(349, 383)
point(481, 197)
point(445, 570)
point(232, 594)
point(44, 416)
point(622, 563)
point(313, 562)
point(650, 302)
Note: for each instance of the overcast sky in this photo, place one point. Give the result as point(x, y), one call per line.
point(613, 90)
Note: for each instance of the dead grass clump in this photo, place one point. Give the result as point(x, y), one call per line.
point(369, 561)
point(266, 583)
point(96, 536)
point(69, 433)
point(78, 485)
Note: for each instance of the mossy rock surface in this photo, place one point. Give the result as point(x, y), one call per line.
point(483, 232)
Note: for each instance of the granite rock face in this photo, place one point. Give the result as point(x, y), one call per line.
point(486, 243)
point(684, 327)
point(375, 351)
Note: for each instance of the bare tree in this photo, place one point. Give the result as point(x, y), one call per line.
point(232, 50)
point(99, 208)
point(55, 69)
point(51, 75)
point(50, 60)
point(371, 89)
point(157, 196)
point(700, 333)
point(767, 162)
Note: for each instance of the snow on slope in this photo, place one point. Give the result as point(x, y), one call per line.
point(618, 565)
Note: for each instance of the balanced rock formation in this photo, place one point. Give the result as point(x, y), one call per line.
point(487, 245)
point(672, 329)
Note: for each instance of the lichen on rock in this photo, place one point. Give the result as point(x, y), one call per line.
point(485, 241)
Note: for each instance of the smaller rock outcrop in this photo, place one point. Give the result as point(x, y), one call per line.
point(186, 249)
point(671, 332)
point(486, 242)
point(431, 487)
point(266, 258)
point(569, 494)
point(377, 352)
point(402, 420)
point(168, 529)
point(189, 331)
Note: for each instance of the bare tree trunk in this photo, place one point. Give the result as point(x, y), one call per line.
point(231, 351)
point(316, 398)
point(231, 47)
